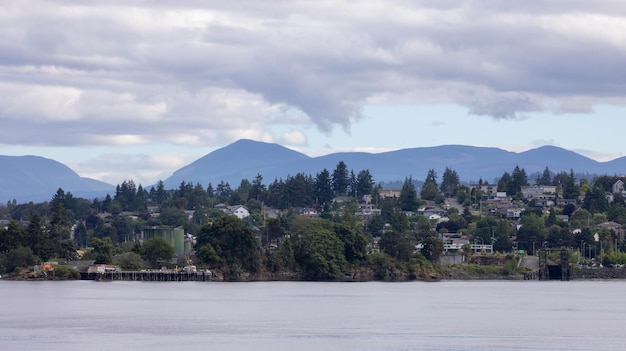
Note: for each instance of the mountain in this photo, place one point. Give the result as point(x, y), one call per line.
point(37, 179)
point(239, 160)
point(33, 178)
point(247, 158)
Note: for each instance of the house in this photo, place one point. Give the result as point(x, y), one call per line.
point(615, 227)
point(367, 211)
point(434, 212)
point(308, 212)
point(269, 212)
point(388, 193)
point(239, 211)
point(514, 213)
point(618, 187)
point(541, 192)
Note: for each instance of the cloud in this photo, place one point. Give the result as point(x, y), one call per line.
point(115, 168)
point(193, 73)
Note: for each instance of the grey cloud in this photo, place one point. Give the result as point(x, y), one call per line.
point(164, 67)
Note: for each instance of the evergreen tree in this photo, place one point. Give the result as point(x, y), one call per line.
point(408, 196)
point(340, 179)
point(430, 190)
point(545, 178)
point(80, 234)
point(364, 183)
point(257, 190)
point(323, 187)
point(570, 190)
point(449, 182)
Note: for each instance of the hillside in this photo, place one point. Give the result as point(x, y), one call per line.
point(246, 159)
point(34, 178)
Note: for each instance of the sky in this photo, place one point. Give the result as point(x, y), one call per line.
point(121, 90)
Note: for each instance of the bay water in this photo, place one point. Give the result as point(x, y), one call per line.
point(448, 315)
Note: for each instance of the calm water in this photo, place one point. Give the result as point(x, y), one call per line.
point(484, 315)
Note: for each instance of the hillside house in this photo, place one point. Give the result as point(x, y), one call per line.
point(388, 193)
point(432, 212)
point(239, 211)
point(539, 192)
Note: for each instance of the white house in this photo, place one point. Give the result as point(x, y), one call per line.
point(238, 210)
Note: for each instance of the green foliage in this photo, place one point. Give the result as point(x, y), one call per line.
point(449, 182)
point(317, 249)
point(384, 266)
point(595, 200)
point(65, 272)
point(408, 196)
point(340, 179)
point(396, 246)
point(206, 254)
point(156, 251)
point(102, 250)
point(432, 248)
point(531, 234)
point(130, 261)
point(323, 187)
point(19, 257)
point(232, 242)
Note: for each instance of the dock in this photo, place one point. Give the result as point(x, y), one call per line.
point(151, 276)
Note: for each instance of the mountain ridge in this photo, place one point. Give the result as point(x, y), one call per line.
point(35, 178)
point(470, 162)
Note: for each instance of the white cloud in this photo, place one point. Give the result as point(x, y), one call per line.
point(293, 137)
point(202, 73)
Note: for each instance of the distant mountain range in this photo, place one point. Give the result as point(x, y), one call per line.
point(32, 178)
point(37, 179)
point(247, 158)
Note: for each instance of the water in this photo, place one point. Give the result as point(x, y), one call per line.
point(451, 315)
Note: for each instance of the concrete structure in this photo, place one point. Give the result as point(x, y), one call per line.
point(173, 236)
point(541, 192)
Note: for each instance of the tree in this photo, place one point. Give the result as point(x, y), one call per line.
point(173, 216)
point(257, 190)
point(364, 183)
point(317, 249)
point(340, 179)
point(160, 194)
point(156, 250)
point(38, 240)
point(430, 192)
point(496, 232)
point(103, 250)
point(396, 246)
point(232, 242)
point(354, 243)
point(19, 257)
point(300, 190)
point(449, 182)
point(545, 178)
point(408, 196)
point(432, 248)
point(12, 237)
point(595, 200)
point(519, 179)
point(531, 234)
point(570, 190)
point(323, 187)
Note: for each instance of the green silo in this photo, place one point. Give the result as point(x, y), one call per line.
point(173, 236)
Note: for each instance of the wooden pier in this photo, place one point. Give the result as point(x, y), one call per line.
point(151, 276)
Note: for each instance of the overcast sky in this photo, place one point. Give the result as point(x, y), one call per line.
point(137, 89)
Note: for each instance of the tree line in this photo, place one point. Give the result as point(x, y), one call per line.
point(337, 241)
